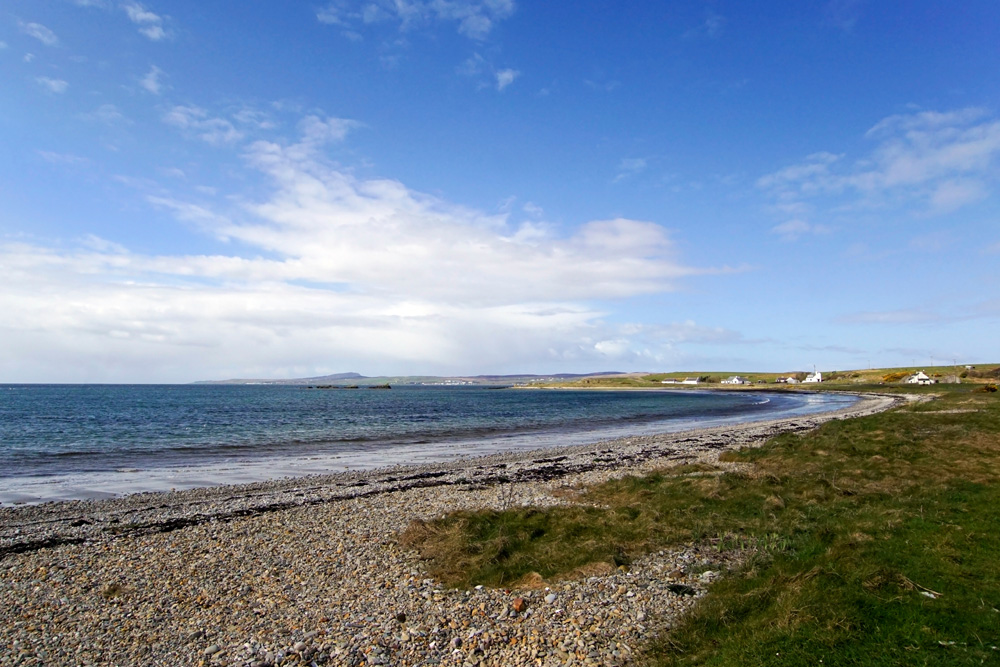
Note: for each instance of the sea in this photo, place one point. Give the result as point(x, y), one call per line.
point(69, 442)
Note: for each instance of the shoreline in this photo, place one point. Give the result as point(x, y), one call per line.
point(28, 526)
point(116, 478)
point(306, 570)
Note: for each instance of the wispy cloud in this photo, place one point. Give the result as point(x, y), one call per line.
point(52, 85)
point(198, 122)
point(41, 33)
point(505, 77)
point(474, 18)
point(796, 229)
point(712, 27)
point(902, 316)
point(927, 163)
point(630, 167)
point(150, 24)
point(151, 81)
point(67, 159)
point(479, 68)
point(107, 114)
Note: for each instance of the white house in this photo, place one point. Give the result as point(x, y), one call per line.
point(689, 381)
point(814, 377)
point(736, 379)
point(919, 377)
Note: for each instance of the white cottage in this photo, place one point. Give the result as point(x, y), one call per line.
point(814, 377)
point(919, 377)
point(736, 379)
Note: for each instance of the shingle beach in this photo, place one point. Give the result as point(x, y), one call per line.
point(309, 570)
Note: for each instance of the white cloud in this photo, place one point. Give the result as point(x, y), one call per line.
point(930, 162)
point(63, 158)
point(793, 230)
point(150, 24)
point(40, 32)
point(151, 81)
point(904, 316)
point(505, 77)
point(334, 270)
point(316, 131)
point(630, 167)
point(474, 18)
point(107, 114)
point(712, 27)
point(533, 209)
point(195, 120)
point(52, 85)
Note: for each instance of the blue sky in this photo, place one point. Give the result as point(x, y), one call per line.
point(195, 190)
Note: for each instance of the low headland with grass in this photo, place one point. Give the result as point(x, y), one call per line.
point(869, 541)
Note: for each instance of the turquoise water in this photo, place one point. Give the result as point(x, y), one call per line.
point(145, 436)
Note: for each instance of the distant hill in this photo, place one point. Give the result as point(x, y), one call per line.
point(323, 379)
point(363, 380)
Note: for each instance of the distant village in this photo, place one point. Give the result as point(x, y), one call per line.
point(816, 377)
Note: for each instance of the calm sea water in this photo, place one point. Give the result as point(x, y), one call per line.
point(78, 441)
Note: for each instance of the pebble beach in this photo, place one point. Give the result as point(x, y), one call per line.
point(310, 570)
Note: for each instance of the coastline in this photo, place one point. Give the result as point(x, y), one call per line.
point(335, 539)
point(106, 467)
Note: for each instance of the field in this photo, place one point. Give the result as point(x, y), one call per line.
point(871, 541)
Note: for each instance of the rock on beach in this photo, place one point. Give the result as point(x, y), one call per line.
point(309, 571)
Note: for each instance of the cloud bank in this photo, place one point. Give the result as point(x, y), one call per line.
point(333, 272)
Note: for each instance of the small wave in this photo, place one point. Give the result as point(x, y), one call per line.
point(70, 455)
point(128, 469)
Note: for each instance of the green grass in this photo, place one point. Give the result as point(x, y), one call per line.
point(878, 541)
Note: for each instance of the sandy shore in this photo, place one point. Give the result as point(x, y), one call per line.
point(307, 570)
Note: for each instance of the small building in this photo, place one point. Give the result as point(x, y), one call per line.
point(919, 377)
point(813, 378)
point(676, 381)
point(736, 379)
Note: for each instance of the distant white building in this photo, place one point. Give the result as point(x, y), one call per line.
point(919, 377)
point(736, 379)
point(676, 381)
point(814, 378)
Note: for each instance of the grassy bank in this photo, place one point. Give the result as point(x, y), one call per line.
point(874, 541)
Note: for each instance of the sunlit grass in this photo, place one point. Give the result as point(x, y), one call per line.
point(877, 541)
